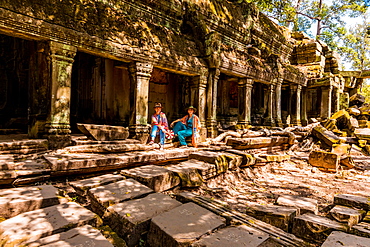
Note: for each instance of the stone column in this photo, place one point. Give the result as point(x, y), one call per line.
point(278, 121)
point(212, 102)
point(296, 114)
point(245, 87)
point(325, 106)
point(57, 126)
point(337, 100)
point(270, 106)
point(198, 99)
point(304, 119)
point(140, 73)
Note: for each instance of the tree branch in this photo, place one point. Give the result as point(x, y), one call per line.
point(310, 17)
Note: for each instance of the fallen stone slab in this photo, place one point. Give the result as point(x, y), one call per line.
point(33, 225)
point(182, 225)
point(79, 236)
point(190, 177)
point(104, 132)
point(362, 229)
point(107, 195)
point(236, 236)
point(339, 239)
point(257, 142)
point(15, 201)
point(324, 159)
point(222, 160)
point(340, 149)
point(279, 216)
point(352, 201)
point(362, 134)
point(157, 178)
point(303, 204)
point(314, 228)
point(347, 162)
point(247, 158)
point(82, 186)
point(131, 219)
point(274, 157)
point(328, 137)
point(347, 215)
point(357, 100)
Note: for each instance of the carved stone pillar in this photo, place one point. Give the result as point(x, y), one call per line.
point(304, 119)
point(296, 113)
point(270, 106)
point(198, 99)
point(140, 73)
point(245, 87)
point(337, 100)
point(57, 126)
point(278, 120)
point(325, 106)
point(212, 102)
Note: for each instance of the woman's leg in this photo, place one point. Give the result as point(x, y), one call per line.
point(153, 133)
point(178, 127)
point(182, 134)
point(161, 137)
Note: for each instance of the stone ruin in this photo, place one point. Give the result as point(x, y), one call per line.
point(266, 97)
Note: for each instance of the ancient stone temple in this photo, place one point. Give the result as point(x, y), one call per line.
point(108, 62)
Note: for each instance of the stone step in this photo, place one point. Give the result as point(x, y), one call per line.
point(109, 148)
point(33, 225)
point(314, 228)
point(340, 239)
point(206, 170)
point(236, 236)
point(279, 216)
point(157, 178)
point(353, 201)
point(362, 229)
point(131, 219)
point(104, 196)
point(82, 186)
point(79, 236)
point(23, 146)
point(182, 225)
point(347, 215)
point(20, 200)
point(303, 204)
point(222, 160)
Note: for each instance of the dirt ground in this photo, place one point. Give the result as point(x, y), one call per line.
point(295, 177)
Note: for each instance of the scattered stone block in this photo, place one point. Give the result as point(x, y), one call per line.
point(82, 186)
point(20, 200)
point(157, 178)
point(107, 195)
point(362, 229)
point(314, 228)
point(339, 239)
point(40, 223)
point(235, 236)
point(347, 162)
point(354, 111)
point(324, 159)
point(222, 160)
point(131, 219)
point(79, 236)
point(303, 204)
point(257, 142)
point(275, 157)
point(356, 99)
point(363, 134)
point(204, 169)
point(182, 225)
point(367, 217)
point(190, 173)
point(279, 216)
point(352, 201)
point(328, 137)
point(347, 215)
point(340, 149)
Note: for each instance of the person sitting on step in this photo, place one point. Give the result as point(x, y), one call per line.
point(159, 124)
point(189, 125)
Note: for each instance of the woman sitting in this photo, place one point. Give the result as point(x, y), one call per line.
point(159, 123)
point(189, 125)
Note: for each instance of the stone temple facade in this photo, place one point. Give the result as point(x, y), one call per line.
point(64, 62)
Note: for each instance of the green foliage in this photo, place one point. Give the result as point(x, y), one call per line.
point(356, 46)
point(365, 91)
